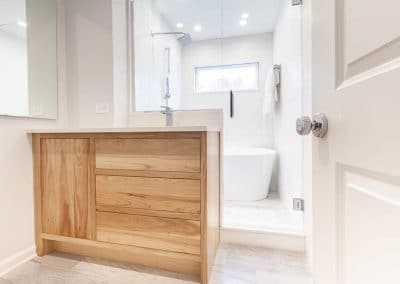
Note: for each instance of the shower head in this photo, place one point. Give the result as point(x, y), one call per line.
point(184, 40)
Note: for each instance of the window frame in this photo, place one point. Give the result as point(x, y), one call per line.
point(257, 64)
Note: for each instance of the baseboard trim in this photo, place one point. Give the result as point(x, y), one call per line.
point(275, 240)
point(17, 259)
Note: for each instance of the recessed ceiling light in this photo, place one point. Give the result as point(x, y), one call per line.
point(243, 23)
point(197, 28)
point(245, 16)
point(179, 25)
point(22, 24)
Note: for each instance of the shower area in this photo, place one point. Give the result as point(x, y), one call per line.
point(242, 59)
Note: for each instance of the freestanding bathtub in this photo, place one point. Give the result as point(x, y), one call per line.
point(247, 173)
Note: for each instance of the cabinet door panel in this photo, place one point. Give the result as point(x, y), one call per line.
point(65, 184)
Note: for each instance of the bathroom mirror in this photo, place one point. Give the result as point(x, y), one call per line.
point(28, 58)
point(196, 52)
point(165, 34)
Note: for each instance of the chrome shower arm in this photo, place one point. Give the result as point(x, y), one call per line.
point(168, 33)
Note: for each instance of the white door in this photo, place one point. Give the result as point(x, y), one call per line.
point(356, 167)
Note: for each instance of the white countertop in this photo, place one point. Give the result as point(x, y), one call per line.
point(125, 130)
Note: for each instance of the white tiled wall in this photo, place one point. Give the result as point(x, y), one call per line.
point(249, 126)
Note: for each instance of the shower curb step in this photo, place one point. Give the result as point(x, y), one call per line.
point(289, 241)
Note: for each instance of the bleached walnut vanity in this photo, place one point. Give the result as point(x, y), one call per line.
point(142, 196)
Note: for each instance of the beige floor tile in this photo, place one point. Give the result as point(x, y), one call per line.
point(234, 265)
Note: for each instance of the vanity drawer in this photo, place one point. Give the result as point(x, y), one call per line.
point(149, 232)
point(149, 196)
point(164, 155)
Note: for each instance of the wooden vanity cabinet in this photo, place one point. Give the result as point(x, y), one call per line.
point(145, 198)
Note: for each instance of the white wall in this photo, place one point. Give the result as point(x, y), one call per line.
point(288, 53)
point(89, 59)
point(120, 62)
point(150, 71)
point(249, 127)
point(13, 74)
point(85, 76)
point(16, 176)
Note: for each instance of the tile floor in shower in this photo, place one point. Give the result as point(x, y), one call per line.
point(266, 215)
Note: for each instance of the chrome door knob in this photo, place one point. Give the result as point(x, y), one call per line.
point(304, 125)
point(319, 125)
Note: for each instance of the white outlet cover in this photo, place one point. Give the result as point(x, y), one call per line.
point(102, 108)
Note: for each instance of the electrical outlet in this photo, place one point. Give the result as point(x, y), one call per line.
point(102, 108)
point(298, 204)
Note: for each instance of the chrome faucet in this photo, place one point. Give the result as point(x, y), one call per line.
point(168, 112)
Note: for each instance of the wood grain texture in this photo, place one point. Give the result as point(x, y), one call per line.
point(156, 195)
point(91, 234)
point(126, 194)
point(42, 246)
point(210, 202)
point(65, 186)
point(171, 261)
point(203, 217)
point(213, 198)
point(169, 155)
point(158, 213)
point(149, 232)
point(156, 174)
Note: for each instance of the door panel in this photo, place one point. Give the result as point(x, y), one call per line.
point(369, 242)
point(367, 35)
point(65, 182)
point(356, 173)
point(369, 26)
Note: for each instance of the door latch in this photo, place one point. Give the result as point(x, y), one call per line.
point(298, 204)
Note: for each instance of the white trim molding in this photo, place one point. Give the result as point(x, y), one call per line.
point(275, 240)
point(17, 259)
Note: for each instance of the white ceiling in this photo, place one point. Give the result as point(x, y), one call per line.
point(220, 18)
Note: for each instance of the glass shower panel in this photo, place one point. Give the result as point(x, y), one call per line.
point(191, 31)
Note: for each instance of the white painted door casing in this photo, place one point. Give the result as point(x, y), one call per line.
point(356, 168)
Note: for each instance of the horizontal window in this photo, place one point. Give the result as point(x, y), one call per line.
point(224, 78)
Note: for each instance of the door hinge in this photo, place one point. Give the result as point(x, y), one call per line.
point(298, 204)
point(297, 2)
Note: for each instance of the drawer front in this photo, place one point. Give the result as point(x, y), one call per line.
point(149, 232)
point(169, 155)
point(128, 194)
